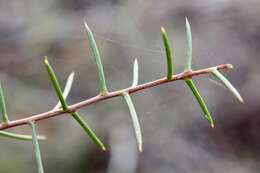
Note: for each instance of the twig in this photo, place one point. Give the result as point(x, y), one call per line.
point(100, 97)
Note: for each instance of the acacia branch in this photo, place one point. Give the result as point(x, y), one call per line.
point(79, 105)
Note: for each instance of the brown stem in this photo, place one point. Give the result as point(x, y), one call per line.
point(74, 107)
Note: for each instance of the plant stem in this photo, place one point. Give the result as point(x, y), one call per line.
point(98, 98)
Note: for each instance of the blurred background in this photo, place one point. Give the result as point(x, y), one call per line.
point(176, 136)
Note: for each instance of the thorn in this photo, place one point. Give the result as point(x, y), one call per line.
point(241, 100)
point(187, 21)
point(135, 61)
point(42, 138)
point(46, 60)
point(86, 25)
point(163, 30)
point(230, 66)
point(103, 148)
point(140, 147)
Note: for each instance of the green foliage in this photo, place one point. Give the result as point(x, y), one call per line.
point(36, 148)
point(200, 100)
point(5, 119)
point(189, 81)
point(88, 130)
point(19, 136)
point(104, 94)
point(224, 80)
point(95, 51)
point(135, 120)
point(168, 52)
point(135, 73)
point(3, 106)
point(55, 84)
point(64, 105)
point(67, 89)
point(189, 46)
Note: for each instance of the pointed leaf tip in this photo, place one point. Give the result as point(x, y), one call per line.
point(136, 62)
point(86, 25)
point(140, 148)
point(135, 73)
point(46, 62)
point(230, 66)
point(187, 21)
point(163, 30)
point(168, 52)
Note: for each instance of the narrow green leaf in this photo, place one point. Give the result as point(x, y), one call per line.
point(135, 73)
point(19, 136)
point(3, 106)
point(67, 89)
point(189, 46)
point(135, 120)
point(55, 84)
point(95, 51)
point(36, 149)
point(200, 100)
point(75, 115)
point(88, 130)
point(231, 88)
point(168, 52)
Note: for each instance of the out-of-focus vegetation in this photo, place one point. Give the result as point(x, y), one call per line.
point(176, 138)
